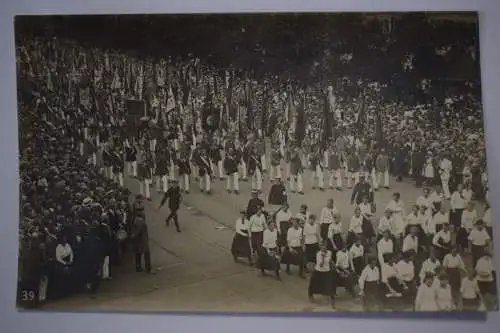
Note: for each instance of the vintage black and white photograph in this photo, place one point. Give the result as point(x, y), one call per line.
point(291, 162)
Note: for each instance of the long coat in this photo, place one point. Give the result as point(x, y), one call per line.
point(140, 236)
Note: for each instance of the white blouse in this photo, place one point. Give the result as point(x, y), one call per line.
point(342, 260)
point(383, 247)
point(405, 270)
point(270, 239)
point(294, 237)
point(444, 298)
point(63, 251)
point(333, 229)
point(323, 258)
point(310, 233)
point(356, 224)
point(384, 224)
point(242, 226)
point(453, 261)
point(479, 237)
point(257, 223)
point(368, 275)
point(468, 219)
point(426, 299)
point(469, 288)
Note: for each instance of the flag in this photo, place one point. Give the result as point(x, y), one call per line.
point(327, 121)
point(170, 100)
point(361, 120)
point(300, 127)
point(379, 132)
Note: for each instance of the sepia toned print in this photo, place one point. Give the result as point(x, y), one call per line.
point(256, 162)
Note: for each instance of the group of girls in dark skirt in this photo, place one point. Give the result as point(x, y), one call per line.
point(398, 277)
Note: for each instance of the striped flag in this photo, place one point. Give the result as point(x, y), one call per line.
point(170, 100)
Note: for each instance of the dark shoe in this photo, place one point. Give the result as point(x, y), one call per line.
point(236, 192)
point(301, 193)
point(187, 192)
point(229, 191)
point(178, 230)
point(139, 269)
point(321, 189)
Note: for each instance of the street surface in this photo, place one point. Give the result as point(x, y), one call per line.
point(195, 269)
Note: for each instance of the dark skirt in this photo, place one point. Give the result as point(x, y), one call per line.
point(296, 258)
point(470, 304)
point(284, 226)
point(359, 264)
point(257, 239)
point(339, 243)
point(368, 230)
point(311, 251)
point(351, 238)
point(456, 218)
point(395, 285)
point(240, 246)
point(323, 230)
point(486, 287)
point(321, 284)
point(267, 262)
point(442, 250)
point(476, 253)
point(455, 278)
point(371, 298)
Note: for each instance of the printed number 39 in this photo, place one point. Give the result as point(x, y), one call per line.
point(27, 295)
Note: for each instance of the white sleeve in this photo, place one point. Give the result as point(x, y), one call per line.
point(70, 255)
point(59, 254)
point(362, 279)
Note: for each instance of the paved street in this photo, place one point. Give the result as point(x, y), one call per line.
point(195, 268)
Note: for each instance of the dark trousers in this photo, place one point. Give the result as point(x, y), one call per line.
point(147, 261)
point(173, 215)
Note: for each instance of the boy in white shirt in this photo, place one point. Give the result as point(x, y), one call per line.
point(479, 240)
point(469, 291)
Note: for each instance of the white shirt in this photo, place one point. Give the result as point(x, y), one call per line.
point(310, 233)
point(242, 226)
point(484, 269)
point(410, 243)
point(444, 298)
point(356, 224)
point(283, 216)
point(388, 271)
point(366, 210)
point(398, 225)
point(397, 208)
point(270, 239)
point(440, 218)
point(445, 236)
point(325, 260)
point(383, 247)
point(467, 194)
point(428, 267)
point(368, 275)
point(257, 223)
point(294, 237)
point(384, 224)
point(426, 299)
point(424, 201)
point(453, 261)
point(457, 201)
point(469, 288)
point(302, 216)
point(342, 260)
point(445, 168)
point(63, 251)
point(479, 237)
point(334, 228)
point(327, 215)
point(468, 219)
point(405, 270)
point(412, 219)
point(356, 251)
point(424, 220)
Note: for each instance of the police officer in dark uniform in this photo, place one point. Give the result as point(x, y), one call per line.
point(362, 189)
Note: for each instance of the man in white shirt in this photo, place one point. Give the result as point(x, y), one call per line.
point(385, 223)
point(425, 200)
point(429, 266)
point(479, 240)
point(390, 278)
point(344, 276)
point(469, 217)
point(385, 247)
point(406, 274)
point(369, 285)
point(257, 226)
point(327, 217)
point(356, 257)
point(457, 204)
point(445, 168)
point(410, 242)
point(470, 293)
point(485, 271)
